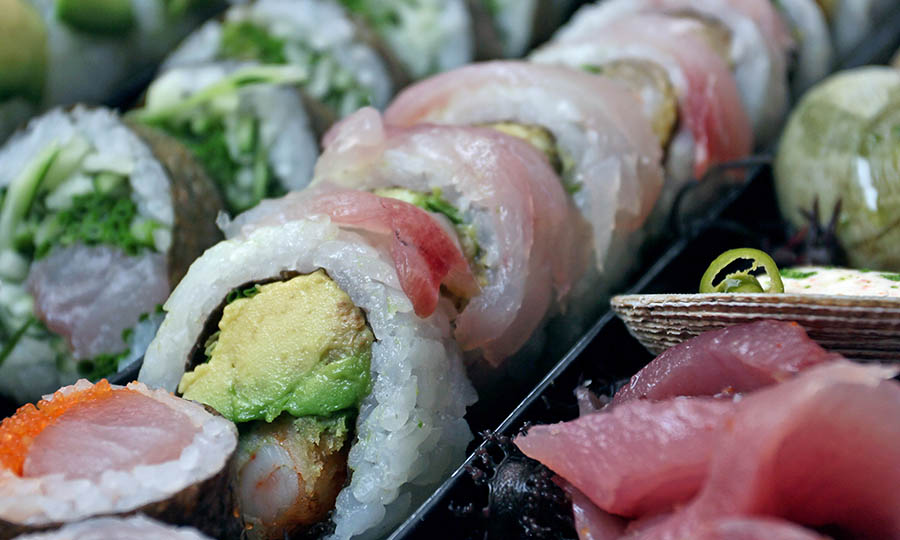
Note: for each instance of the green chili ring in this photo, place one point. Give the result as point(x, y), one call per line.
point(742, 281)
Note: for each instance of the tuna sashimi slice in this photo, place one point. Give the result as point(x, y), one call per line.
point(734, 359)
point(635, 459)
point(90, 295)
point(819, 450)
point(116, 432)
point(425, 254)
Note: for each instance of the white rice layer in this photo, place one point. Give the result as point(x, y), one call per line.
point(53, 498)
point(410, 429)
point(133, 528)
point(318, 24)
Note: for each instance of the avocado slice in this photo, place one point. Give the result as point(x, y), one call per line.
point(107, 17)
point(23, 51)
point(298, 346)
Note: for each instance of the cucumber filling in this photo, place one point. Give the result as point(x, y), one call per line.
point(327, 80)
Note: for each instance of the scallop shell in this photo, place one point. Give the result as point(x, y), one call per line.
point(859, 327)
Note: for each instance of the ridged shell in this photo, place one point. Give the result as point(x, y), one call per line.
point(864, 328)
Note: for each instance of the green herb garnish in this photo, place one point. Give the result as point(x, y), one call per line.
point(892, 277)
point(238, 293)
point(791, 273)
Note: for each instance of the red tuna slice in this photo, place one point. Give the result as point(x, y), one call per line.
point(738, 358)
point(636, 459)
point(89, 295)
point(819, 450)
point(591, 523)
point(425, 254)
point(710, 105)
point(535, 242)
point(119, 431)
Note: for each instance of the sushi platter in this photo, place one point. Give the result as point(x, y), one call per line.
point(398, 269)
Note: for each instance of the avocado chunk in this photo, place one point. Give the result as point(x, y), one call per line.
point(298, 346)
point(536, 136)
point(23, 51)
point(110, 17)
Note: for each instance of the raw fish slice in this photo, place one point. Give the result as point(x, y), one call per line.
point(71, 282)
point(710, 106)
point(636, 459)
point(120, 431)
point(759, 46)
point(424, 253)
point(591, 523)
point(531, 236)
point(735, 359)
point(595, 120)
point(753, 529)
point(819, 450)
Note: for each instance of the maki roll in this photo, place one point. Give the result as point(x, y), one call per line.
point(325, 340)
point(852, 20)
point(592, 130)
point(342, 70)
point(527, 257)
point(814, 51)
point(839, 153)
point(133, 528)
point(95, 229)
point(247, 125)
point(661, 58)
point(427, 36)
point(98, 449)
point(66, 51)
point(749, 34)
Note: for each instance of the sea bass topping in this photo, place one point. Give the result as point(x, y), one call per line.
point(18, 432)
point(299, 346)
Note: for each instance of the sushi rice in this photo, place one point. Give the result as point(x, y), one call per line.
point(410, 431)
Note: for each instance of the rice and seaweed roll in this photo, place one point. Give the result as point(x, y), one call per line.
point(108, 528)
point(326, 341)
point(93, 450)
point(96, 226)
point(247, 125)
point(58, 52)
point(341, 68)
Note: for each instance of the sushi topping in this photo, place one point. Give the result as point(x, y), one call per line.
point(326, 78)
point(652, 86)
point(18, 432)
point(299, 346)
point(542, 139)
point(224, 131)
point(741, 281)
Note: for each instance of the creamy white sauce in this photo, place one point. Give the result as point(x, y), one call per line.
point(838, 281)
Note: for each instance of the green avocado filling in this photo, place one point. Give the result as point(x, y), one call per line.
point(225, 136)
point(23, 51)
point(326, 79)
point(59, 200)
point(298, 346)
point(542, 139)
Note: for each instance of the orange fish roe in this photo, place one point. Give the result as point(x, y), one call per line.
point(19, 430)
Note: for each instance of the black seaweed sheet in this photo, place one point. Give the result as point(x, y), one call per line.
point(746, 217)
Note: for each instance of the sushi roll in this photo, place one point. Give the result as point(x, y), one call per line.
point(852, 20)
point(663, 59)
point(247, 125)
point(840, 147)
point(814, 50)
point(592, 129)
point(58, 52)
point(325, 341)
point(343, 70)
point(427, 36)
point(527, 258)
point(133, 528)
point(508, 28)
point(93, 450)
point(749, 34)
point(96, 226)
